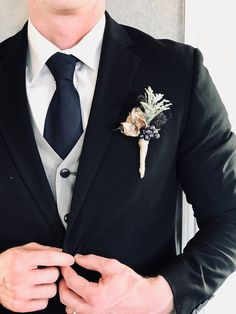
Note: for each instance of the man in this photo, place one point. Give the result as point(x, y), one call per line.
point(64, 189)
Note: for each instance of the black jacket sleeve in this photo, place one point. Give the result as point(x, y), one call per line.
point(207, 172)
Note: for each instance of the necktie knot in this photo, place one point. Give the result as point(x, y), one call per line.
point(62, 66)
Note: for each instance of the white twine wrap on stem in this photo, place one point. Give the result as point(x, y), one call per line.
point(143, 149)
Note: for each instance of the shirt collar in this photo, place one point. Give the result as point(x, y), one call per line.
point(88, 50)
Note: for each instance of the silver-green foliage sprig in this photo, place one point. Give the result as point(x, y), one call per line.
point(153, 104)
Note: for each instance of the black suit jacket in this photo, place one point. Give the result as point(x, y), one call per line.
point(114, 213)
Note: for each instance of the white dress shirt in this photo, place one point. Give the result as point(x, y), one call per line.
point(40, 87)
point(40, 83)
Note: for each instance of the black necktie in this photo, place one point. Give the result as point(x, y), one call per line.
point(63, 124)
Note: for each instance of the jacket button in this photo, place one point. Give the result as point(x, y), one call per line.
point(66, 217)
point(64, 173)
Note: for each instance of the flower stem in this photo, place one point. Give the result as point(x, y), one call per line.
point(143, 149)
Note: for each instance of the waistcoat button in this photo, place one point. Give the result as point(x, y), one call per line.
point(64, 173)
point(66, 217)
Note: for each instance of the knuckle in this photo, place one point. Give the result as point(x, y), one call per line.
point(11, 283)
point(16, 293)
point(112, 263)
point(14, 256)
point(8, 281)
point(29, 245)
point(12, 250)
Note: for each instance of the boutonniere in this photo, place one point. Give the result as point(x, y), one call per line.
point(145, 122)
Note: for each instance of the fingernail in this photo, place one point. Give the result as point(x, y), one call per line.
point(78, 255)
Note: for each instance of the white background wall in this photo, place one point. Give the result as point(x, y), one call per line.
point(13, 13)
point(160, 18)
point(210, 25)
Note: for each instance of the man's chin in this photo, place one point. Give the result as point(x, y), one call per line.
point(65, 7)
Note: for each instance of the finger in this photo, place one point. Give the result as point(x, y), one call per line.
point(36, 246)
point(43, 292)
point(49, 258)
point(37, 292)
point(78, 284)
point(70, 311)
point(29, 306)
point(103, 265)
point(36, 305)
point(72, 301)
point(46, 275)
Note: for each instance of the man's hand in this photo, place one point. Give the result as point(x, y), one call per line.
point(119, 291)
point(23, 286)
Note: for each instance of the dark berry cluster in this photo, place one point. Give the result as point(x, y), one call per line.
point(149, 132)
point(159, 120)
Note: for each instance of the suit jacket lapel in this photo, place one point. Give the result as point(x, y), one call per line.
point(116, 73)
point(17, 130)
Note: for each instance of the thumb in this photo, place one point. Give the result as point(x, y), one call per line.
point(103, 265)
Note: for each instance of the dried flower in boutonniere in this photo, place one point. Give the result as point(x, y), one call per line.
point(145, 122)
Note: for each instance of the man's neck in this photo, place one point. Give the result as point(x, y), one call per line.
point(66, 30)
